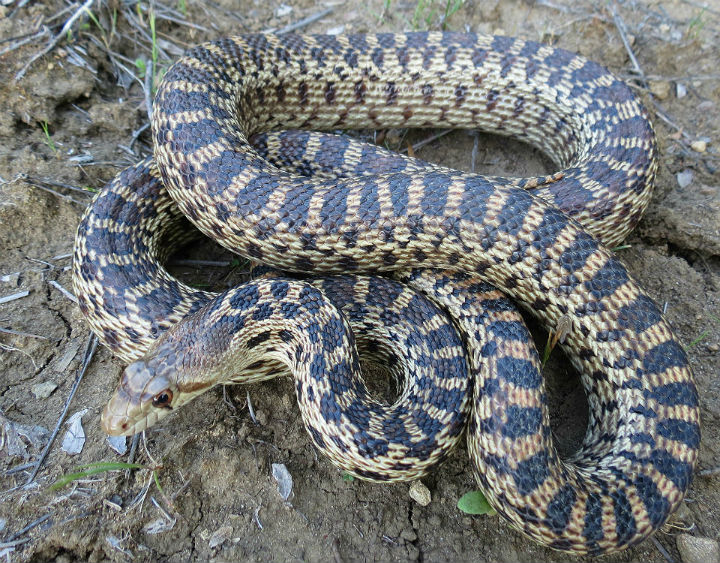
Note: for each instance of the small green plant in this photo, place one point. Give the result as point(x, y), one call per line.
point(420, 15)
point(426, 12)
point(475, 502)
point(704, 334)
point(182, 7)
point(85, 471)
point(696, 25)
point(141, 65)
point(347, 477)
point(385, 10)
point(451, 6)
point(48, 139)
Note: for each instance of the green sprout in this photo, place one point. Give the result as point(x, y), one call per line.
point(48, 139)
point(475, 502)
point(85, 471)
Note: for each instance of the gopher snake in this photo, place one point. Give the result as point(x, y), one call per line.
point(639, 452)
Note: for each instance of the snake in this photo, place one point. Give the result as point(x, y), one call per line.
point(445, 232)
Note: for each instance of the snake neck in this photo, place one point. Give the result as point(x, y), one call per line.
point(286, 321)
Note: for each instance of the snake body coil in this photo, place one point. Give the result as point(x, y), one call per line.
point(641, 445)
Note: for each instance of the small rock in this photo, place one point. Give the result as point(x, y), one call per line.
point(158, 526)
point(660, 89)
point(698, 146)
point(283, 10)
point(684, 178)
point(420, 493)
point(118, 444)
point(283, 478)
point(694, 549)
point(680, 90)
point(713, 347)
point(74, 438)
point(337, 30)
point(220, 536)
point(706, 105)
point(408, 534)
point(43, 390)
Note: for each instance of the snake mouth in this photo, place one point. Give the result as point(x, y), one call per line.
point(117, 418)
point(134, 405)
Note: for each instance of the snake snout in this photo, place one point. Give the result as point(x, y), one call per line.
point(143, 396)
point(115, 424)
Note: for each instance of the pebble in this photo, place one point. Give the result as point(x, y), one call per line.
point(680, 90)
point(283, 10)
point(43, 390)
point(660, 89)
point(220, 536)
point(706, 105)
point(336, 30)
point(684, 178)
point(420, 493)
point(699, 146)
point(694, 549)
point(284, 480)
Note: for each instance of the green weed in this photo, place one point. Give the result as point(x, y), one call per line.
point(85, 471)
point(475, 502)
point(48, 139)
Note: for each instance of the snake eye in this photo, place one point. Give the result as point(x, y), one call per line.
point(163, 399)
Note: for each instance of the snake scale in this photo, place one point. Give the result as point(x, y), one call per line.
point(315, 215)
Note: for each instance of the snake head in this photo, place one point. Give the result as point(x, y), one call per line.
point(144, 396)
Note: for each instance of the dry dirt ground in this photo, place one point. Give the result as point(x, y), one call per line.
point(75, 119)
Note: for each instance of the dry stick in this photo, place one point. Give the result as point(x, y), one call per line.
point(216, 6)
point(420, 144)
point(55, 40)
point(20, 5)
point(179, 21)
point(662, 550)
point(147, 88)
point(19, 468)
point(25, 40)
point(60, 14)
point(189, 262)
point(89, 353)
point(56, 193)
point(301, 23)
point(620, 24)
point(14, 296)
point(64, 291)
point(5, 545)
point(689, 77)
point(20, 333)
point(136, 134)
point(702, 7)
point(33, 180)
point(29, 527)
